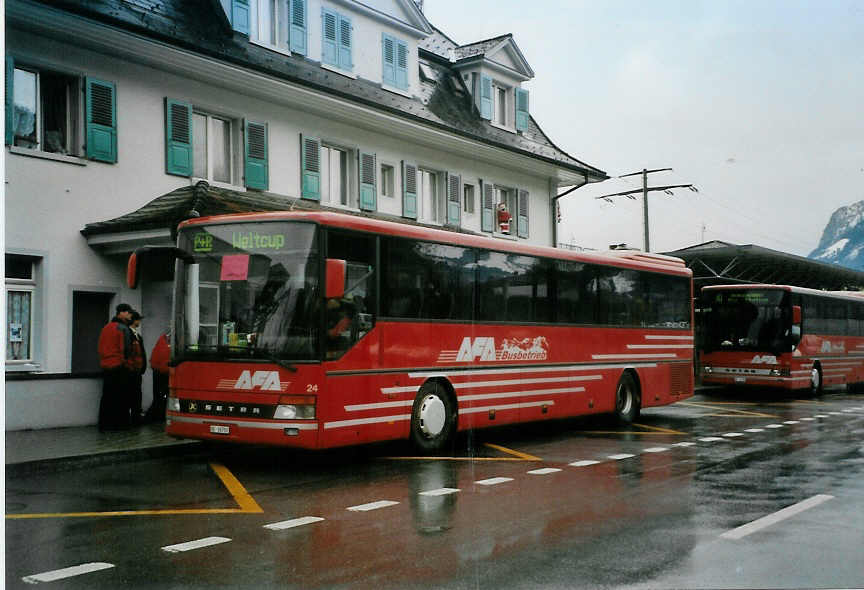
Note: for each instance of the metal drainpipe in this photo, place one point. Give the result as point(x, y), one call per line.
point(555, 206)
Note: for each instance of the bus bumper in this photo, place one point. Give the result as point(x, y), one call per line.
point(300, 434)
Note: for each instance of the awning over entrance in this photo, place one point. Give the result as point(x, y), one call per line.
point(722, 263)
point(156, 222)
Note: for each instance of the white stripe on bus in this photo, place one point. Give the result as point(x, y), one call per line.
point(622, 357)
point(226, 420)
point(547, 369)
point(502, 382)
point(379, 406)
point(653, 346)
point(507, 394)
point(658, 337)
point(506, 407)
point(361, 421)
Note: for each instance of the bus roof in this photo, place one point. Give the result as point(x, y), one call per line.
point(856, 295)
point(620, 258)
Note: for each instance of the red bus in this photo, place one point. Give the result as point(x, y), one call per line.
point(322, 329)
point(781, 336)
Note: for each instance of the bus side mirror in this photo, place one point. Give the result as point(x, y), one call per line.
point(132, 266)
point(132, 271)
point(796, 315)
point(336, 270)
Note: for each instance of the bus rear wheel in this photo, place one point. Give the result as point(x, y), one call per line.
point(433, 418)
point(627, 400)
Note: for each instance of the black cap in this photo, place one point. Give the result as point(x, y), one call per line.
point(136, 315)
point(124, 307)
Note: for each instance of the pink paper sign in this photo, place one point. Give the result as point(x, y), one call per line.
point(235, 267)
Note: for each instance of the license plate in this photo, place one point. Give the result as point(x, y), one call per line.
point(740, 379)
point(219, 429)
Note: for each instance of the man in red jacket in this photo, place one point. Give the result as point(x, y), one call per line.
point(118, 361)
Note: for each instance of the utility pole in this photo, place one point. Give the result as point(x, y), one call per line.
point(645, 190)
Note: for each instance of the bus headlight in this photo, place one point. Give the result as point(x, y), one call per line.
point(706, 369)
point(775, 372)
point(173, 404)
point(295, 407)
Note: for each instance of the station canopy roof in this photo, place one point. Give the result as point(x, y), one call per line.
point(723, 263)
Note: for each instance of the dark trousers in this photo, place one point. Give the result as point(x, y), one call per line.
point(114, 405)
point(135, 396)
point(160, 396)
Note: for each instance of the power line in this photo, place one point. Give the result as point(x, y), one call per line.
point(645, 190)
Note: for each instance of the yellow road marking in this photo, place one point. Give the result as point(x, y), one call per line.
point(740, 413)
point(649, 430)
point(518, 456)
point(523, 456)
point(658, 429)
point(247, 504)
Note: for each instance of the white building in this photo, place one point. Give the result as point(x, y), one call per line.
point(117, 111)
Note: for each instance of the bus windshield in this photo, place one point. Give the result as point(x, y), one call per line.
point(751, 319)
point(251, 292)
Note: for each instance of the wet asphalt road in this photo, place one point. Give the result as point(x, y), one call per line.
point(719, 491)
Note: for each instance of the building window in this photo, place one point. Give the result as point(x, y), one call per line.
point(388, 180)
point(429, 189)
point(508, 197)
point(501, 109)
point(468, 198)
point(211, 140)
point(20, 295)
point(335, 172)
point(47, 111)
point(90, 311)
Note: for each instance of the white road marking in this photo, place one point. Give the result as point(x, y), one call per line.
point(198, 544)
point(755, 430)
point(807, 419)
point(290, 524)
point(67, 572)
point(583, 463)
point(544, 471)
point(494, 481)
point(710, 439)
point(836, 413)
point(732, 434)
point(773, 426)
point(620, 456)
point(656, 450)
point(766, 521)
point(820, 416)
point(684, 444)
point(791, 422)
point(372, 506)
point(440, 492)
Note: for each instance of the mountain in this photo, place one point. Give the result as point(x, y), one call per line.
point(843, 238)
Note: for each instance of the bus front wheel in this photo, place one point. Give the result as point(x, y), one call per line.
point(627, 400)
point(816, 379)
point(433, 418)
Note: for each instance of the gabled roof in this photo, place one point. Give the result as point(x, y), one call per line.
point(490, 51)
point(184, 24)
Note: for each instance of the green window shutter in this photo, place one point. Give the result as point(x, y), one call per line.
point(454, 203)
point(521, 109)
point(346, 32)
point(10, 99)
point(329, 50)
point(297, 28)
point(388, 57)
point(522, 217)
point(240, 16)
point(401, 65)
point(310, 168)
point(487, 212)
point(101, 113)
point(368, 187)
point(409, 190)
point(486, 97)
point(178, 137)
point(255, 168)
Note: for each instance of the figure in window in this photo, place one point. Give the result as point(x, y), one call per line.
point(504, 218)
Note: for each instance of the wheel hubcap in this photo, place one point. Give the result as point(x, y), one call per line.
point(814, 378)
point(432, 414)
point(625, 400)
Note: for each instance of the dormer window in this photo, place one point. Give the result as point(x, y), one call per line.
point(501, 110)
point(394, 56)
point(279, 24)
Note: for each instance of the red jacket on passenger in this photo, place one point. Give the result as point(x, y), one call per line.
point(117, 347)
point(161, 354)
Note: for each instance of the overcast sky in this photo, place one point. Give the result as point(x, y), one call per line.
point(760, 104)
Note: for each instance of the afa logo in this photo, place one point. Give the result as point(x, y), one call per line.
point(482, 348)
point(265, 380)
